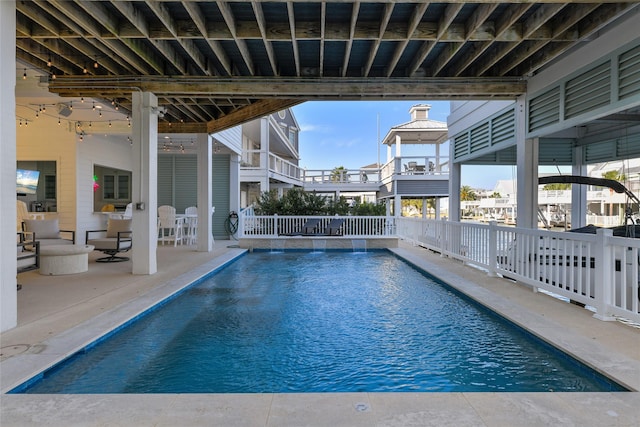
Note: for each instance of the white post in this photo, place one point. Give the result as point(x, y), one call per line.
point(8, 261)
point(205, 192)
point(398, 146)
point(454, 191)
point(144, 131)
point(493, 248)
point(578, 192)
point(527, 172)
point(603, 279)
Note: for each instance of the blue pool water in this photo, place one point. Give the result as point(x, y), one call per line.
point(328, 322)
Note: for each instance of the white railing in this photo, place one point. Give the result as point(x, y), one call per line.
point(597, 270)
point(283, 167)
point(341, 176)
point(252, 159)
point(280, 226)
point(415, 165)
point(406, 165)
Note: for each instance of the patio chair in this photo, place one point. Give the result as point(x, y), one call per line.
point(170, 224)
point(309, 228)
point(334, 228)
point(191, 225)
point(47, 232)
point(28, 252)
point(115, 239)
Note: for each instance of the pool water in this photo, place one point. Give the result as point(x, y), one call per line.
point(319, 322)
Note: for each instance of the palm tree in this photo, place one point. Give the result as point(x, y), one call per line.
point(339, 174)
point(616, 176)
point(467, 193)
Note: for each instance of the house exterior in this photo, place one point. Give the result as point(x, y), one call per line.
point(416, 177)
point(578, 111)
point(270, 156)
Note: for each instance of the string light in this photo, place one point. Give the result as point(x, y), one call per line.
point(49, 62)
point(71, 105)
point(24, 76)
point(84, 70)
point(58, 121)
point(82, 99)
point(94, 106)
point(109, 123)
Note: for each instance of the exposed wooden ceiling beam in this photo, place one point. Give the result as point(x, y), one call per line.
point(309, 88)
point(257, 109)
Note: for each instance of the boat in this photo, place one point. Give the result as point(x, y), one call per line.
point(631, 226)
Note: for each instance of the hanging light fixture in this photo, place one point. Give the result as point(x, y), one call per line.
point(24, 76)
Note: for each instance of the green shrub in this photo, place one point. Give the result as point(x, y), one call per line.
point(301, 203)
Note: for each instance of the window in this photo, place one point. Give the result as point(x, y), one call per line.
point(292, 137)
point(50, 187)
point(115, 187)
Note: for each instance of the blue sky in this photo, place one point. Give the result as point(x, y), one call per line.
point(345, 133)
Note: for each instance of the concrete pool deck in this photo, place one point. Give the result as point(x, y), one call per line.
point(60, 313)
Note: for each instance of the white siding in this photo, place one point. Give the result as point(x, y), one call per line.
point(230, 138)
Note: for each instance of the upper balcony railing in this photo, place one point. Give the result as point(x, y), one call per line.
point(406, 165)
point(341, 176)
point(252, 159)
point(415, 165)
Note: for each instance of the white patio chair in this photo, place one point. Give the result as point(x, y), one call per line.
point(191, 225)
point(170, 227)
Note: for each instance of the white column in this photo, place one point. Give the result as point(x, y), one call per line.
point(527, 172)
point(8, 261)
point(205, 192)
point(144, 130)
point(397, 206)
point(424, 207)
point(455, 172)
point(398, 146)
point(578, 192)
point(438, 203)
point(389, 153)
point(264, 154)
point(234, 183)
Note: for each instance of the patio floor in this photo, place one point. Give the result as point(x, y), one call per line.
point(59, 313)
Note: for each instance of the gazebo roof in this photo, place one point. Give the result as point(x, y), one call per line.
point(420, 130)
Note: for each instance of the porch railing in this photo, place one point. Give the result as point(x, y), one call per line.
point(597, 270)
point(280, 226)
point(254, 159)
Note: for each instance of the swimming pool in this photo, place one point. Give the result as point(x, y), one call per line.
point(319, 322)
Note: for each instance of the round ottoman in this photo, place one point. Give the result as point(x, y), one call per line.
point(64, 259)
